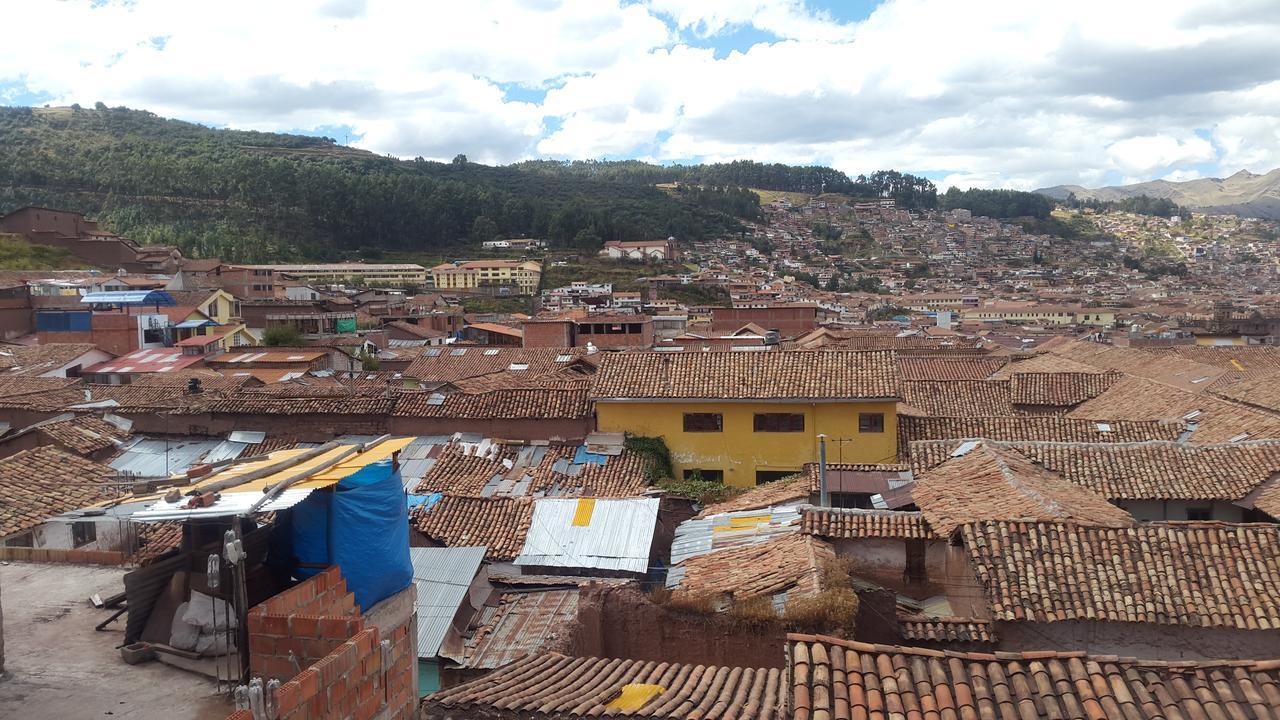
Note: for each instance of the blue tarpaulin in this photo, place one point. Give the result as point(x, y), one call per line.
point(424, 501)
point(582, 457)
point(362, 526)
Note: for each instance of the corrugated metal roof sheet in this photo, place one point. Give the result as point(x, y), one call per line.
point(523, 623)
point(442, 577)
point(129, 297)
point(615, 534)
point(150, 457)
point(238, 499)
point(732, 529)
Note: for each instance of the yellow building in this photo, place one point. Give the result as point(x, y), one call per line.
point(510, 277)
point(750, 417)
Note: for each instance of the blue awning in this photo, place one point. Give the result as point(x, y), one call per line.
point(128, 297)
point(187, 324)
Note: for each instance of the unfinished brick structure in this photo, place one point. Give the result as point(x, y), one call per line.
point(330, 657)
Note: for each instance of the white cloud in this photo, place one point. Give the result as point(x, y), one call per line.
point(1146, 154)
point(1015, 95)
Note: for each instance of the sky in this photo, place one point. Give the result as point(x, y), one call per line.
point(982, 93)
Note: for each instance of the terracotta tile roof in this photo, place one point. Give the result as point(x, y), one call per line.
point(1058, 389)
point(342, 402)
point(38, 484)
point(1142, 471)
point(992, 483)
point(1040, 427)
point(1044, 362)
point(540, 471)
point(948, 368)
point(130, 397)
point(947, 629)
point(37, 393)
point(1165, 368)
point(1268, 501)
point(83, 435)
point(837, 340)
point(209, 379)
point(853, 524)
point(1216, 420)
point(498, 404)
point(786, 490)
point(576, 376)
point(1260, 392)
point(499, 524)
point(1249, 361)
point(522, 623)
point(1195, 574)
point(155, 539)
point(452, 363)
point(832, 678)
point(559, 686)
point(34, 360)
point(790, 563)
point(770, 375)
point(959, 398)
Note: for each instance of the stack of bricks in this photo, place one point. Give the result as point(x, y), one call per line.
point(301, 625)
point(340, 670)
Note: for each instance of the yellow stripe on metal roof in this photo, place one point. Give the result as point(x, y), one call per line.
point(582, 513)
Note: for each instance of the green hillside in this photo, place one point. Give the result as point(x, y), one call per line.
point(252, 196)
point(261, 196)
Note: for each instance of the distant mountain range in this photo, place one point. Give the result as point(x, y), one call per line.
point(1244, 193)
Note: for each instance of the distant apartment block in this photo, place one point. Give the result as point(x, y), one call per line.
point(516, 244)
point(353, 273)
point(1042, 315)
point(640, 249)
point(492, 277)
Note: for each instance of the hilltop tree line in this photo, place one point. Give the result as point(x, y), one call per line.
point(910, 191)
point(1002, 204)
point(1139, 205)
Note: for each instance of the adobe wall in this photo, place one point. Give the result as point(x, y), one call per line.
point(303, 428)
point(507, 429)
point(1142, 640)
point(621, 622)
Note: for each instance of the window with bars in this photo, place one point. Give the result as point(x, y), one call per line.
point(779, 422)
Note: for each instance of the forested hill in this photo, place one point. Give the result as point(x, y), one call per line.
point(252, 196)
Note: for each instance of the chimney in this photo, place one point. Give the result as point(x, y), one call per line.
point(193, 386)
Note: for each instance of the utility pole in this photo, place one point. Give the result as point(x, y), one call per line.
point(824, 496)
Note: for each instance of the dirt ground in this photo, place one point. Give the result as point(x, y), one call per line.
point(57, 666)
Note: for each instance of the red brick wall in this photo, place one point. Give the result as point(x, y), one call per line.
point(339, 652)
point(548, 334)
